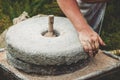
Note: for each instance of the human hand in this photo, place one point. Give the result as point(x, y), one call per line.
point(90, 41)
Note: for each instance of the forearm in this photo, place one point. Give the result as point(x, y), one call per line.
point(89, 39)
point(72, 11)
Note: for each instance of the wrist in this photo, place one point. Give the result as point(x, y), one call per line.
point(84, 28)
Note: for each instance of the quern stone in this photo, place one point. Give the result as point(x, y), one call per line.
point(25, 42)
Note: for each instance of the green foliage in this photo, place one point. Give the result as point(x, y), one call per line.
point(111, 26)
point(52, 9)
point(13, 8)
point(5, 22)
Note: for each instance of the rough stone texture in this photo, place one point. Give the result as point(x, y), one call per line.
point(104, 65)
point(26, 42)
point(46, 70)
point(22, 17)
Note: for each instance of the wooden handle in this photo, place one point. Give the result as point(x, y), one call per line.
point(51, 22)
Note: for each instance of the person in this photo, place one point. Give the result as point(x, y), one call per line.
point(87, 18)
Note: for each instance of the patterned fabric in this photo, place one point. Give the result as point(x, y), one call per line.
point(93, 12)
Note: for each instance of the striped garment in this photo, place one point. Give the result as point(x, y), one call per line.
point(93, 12)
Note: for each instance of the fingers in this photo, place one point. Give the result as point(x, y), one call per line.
point(91, 43)
point(94, 47)
point(101, 41)
point(90, 47)
point(86, 48)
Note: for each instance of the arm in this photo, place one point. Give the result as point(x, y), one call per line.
point(72, 11)
point(88, 38)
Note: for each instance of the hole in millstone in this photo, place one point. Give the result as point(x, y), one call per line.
point(50, 32)
point(55, 33)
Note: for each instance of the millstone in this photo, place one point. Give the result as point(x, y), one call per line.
point(26, 43)
point(46, 70)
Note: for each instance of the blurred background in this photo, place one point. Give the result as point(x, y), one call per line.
point(10, 9)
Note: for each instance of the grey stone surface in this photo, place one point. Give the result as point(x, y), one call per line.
point(104, 66)
point(25, 41)
point(46, 70)
point(22, 17)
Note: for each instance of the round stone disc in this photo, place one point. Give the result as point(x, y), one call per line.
point(25, 41)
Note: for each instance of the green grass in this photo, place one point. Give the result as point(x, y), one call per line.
point(10, 9)
point(111, 26)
